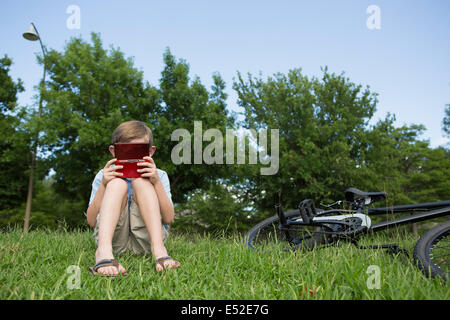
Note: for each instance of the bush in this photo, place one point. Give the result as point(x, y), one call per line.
point(219, 208)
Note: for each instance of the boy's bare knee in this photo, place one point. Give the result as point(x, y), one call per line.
point(141, 182)
point(117, 184)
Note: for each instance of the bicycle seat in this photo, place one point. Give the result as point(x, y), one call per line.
point(352, 194)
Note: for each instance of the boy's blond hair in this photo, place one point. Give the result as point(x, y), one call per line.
point(130, 130)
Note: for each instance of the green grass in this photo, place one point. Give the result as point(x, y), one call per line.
point(34, 266)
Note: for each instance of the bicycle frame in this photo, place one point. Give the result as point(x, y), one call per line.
point(308, 227)
point(427, 211)
point(430, 210)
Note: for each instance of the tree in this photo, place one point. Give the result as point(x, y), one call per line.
point(428, 181)
point(320, 123)
point(183, 102)
point(446, 121)
point(8, 89)
point(15, 142)
point(392, 155)
point(216, 209)
point(16, 128)
point(90, 92)
point(327, 144)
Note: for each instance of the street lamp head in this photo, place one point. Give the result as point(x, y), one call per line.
point(31, 34)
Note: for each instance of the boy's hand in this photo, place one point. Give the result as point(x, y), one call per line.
point(149, 170)
point(110, 173)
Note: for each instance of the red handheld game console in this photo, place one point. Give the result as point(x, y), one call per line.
point(128, 155)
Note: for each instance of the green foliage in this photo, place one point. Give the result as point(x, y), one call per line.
point(398, 162)
point(428, 180)
point(216, 209)
point(326, 143)
point(15, 141)
point(446, 120)
point(90, 92)
point(321, 122)
point(48, 209)
point(8, 89)
point(185, 101)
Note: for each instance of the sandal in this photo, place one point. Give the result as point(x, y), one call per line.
point(106, 263)
point(160, 261)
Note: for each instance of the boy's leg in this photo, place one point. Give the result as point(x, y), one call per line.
point(113, 203)
point(147, 201)
point(139, 238)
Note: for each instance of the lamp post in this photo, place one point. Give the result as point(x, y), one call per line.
point(32, 34)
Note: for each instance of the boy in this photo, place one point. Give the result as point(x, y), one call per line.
point(130, 214)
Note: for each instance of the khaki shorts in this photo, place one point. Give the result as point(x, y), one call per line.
point(130, 234)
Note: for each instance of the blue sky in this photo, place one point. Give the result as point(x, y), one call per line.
point(406, 61)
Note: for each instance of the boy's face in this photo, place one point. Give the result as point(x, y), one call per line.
point(140, 140)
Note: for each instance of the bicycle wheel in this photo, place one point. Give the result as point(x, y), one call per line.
point(269, 234)
point(432, 251)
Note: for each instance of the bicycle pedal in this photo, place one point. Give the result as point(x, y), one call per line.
point(307, 210)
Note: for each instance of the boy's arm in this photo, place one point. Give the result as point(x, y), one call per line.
point(165, 205)
point(94, 207)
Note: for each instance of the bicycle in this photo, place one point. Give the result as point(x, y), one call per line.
point(308, 227)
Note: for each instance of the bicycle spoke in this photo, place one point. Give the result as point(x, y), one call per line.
point(432, 251)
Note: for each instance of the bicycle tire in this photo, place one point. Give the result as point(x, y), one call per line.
point(307, 237)
point(431, 252)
